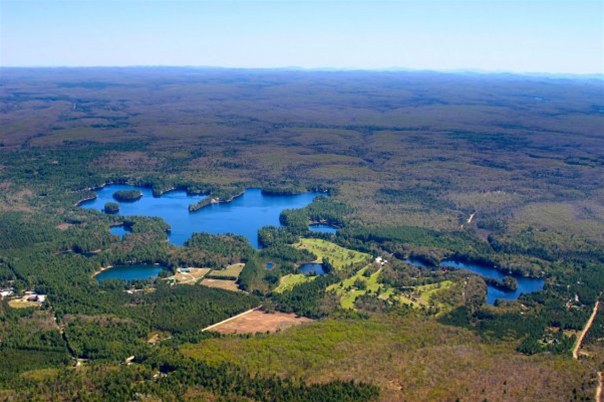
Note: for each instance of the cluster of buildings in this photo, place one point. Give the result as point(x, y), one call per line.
point(28, 296)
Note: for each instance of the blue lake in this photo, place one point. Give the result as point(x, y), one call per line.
point(312, 268)
point(322, 229)
point(130, 272)
point(243, 216)
point(119, 231)
point(525, 285)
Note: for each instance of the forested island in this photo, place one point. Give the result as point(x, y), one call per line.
point(127, 195)
point(505, 179)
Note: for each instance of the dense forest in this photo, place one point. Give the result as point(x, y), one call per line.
point(507, 177)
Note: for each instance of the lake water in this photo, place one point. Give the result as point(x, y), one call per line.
point(312, 268)
point(131, 272)
point(322, 229)
point(119, 231)
point(243, 216)
point(525, 285)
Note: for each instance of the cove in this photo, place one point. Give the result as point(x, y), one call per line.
point(312, 269)
point(244, 215)
point(119, 231)
point(525, 285)
point(320, 228)
point(130, 272)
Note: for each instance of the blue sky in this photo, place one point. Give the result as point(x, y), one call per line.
point(529, 36)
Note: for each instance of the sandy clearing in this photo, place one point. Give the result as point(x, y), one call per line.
point(258, 321)
point(221, 284)
point(191, 277)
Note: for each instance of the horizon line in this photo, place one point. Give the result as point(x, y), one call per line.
point(599, 75)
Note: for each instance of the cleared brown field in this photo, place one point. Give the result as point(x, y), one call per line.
point(191, 277)
point(231, 271)
point(259, 321)
point(221, 284)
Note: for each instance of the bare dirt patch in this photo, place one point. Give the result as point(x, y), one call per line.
point(190, 276)
point(221, 284)
point(17, 201)
point(259, 321)
point(63, 226)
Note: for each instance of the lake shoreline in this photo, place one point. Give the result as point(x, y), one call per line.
point(125, 183)
point(235, 213)
point(102, 269)
point(212, 201)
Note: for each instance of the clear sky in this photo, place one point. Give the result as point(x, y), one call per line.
point(528, 36)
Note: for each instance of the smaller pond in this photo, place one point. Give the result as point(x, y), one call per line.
point(525, 285)
point(312, 268)
point(119, 231)
point(130, 272)
point(322, 229)
point(269, 265)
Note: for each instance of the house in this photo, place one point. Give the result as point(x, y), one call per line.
point(34, 297)
point(5, 292)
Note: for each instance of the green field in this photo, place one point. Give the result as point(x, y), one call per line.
point(420, 296)
point(289, 281)
point(341, 258)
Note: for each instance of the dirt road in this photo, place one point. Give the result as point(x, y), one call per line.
point(585, 330)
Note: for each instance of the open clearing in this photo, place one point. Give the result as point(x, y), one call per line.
point(339, 257)
point(19, 303)
point(287, 282)
point(258, 321)
point(190, 276)
point(231, 271)
point(226, 284)
point(419, 296)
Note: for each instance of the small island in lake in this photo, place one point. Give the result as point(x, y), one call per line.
point(127, 195)
point(112, 207)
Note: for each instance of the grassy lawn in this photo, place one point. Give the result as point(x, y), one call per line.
point(289, 281)
point(231, 271)
point(18, 303)
point(420, 296)
point(340, 257)
point(349, 296)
